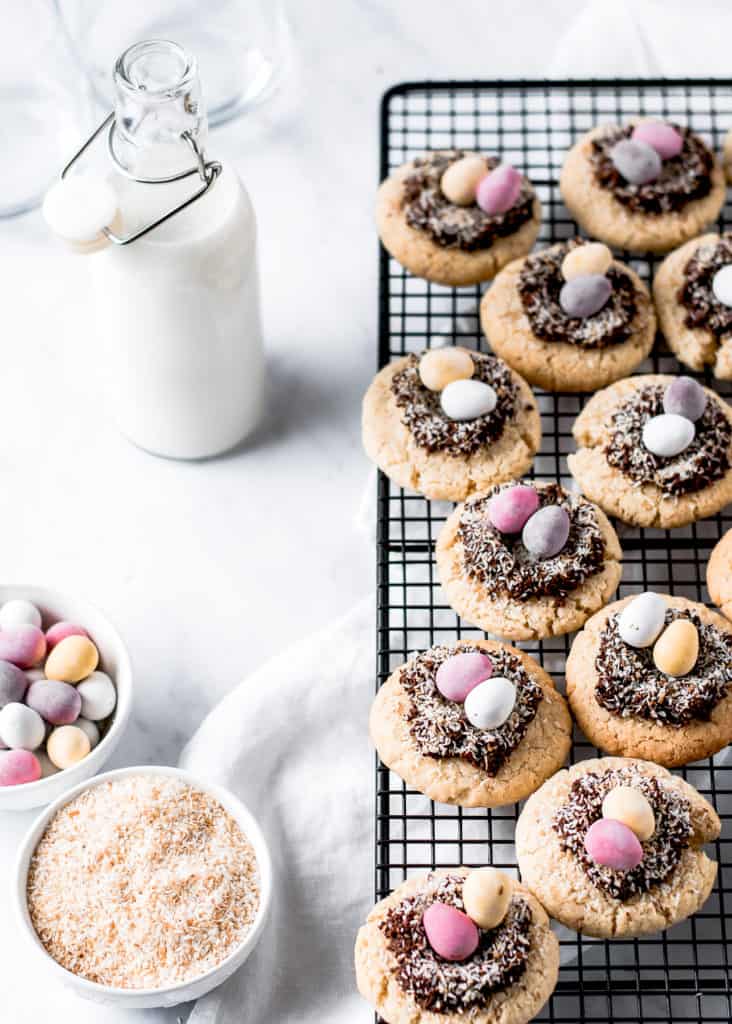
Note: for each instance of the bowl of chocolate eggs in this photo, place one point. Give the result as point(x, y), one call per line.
point(65, 693)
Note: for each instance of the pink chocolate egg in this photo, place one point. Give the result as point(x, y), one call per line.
point(461, 673)
point(499, 190)
point(60, 630)
point(612, 844)
point(18, 767)
point(22, 645)
point(509, 510)
point(659, 136)
point(450, 932)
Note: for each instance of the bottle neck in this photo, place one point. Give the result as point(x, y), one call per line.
point(158, 102)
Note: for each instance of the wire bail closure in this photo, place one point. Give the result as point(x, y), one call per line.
point(207, 170)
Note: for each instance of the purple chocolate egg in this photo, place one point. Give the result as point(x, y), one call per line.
point(56, 702)
point(546, 533)
point(585, 295)
point(13, 683)
point(685, 397)
point(635, 161)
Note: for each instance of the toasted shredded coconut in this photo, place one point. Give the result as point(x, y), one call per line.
point(142, 882)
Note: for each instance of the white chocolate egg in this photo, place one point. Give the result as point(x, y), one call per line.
point(486, 895)
point(21, 728)
point(468, 400)
point(490, 704)
point(668, 434)
point(441, 366)
point(98, 696)
point(641, 621)
point(460, 181)
point(722, 285)
point(19, 612)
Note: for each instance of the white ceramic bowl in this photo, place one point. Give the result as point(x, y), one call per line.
point(142, 998)
point(113, 659)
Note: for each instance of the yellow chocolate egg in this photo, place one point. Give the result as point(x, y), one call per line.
point(628, 805)
point(486, 895)
point(441, 366)
point(594, 258)
point(72, 660)
point(67, 745)
point(460, 180)
point(677, 648)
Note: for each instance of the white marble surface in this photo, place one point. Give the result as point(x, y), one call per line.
point(207, 568)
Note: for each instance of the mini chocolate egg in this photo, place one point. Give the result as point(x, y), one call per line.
point(13, 684)
point(509, 510)
point(546, 532)
point(450, 932)
point(722, 285)
point(628, 805)
point(468, 399)
point(641, 621)
point(668, 434)
point(664, 138)
point(67, 745)
point(18, 767)
point(19, 612)
point(486, 895)
point(676, 650)
point(585, 295)
point(56, 702)
point(612, 844)
point(23, 645)
point(685, 397)
point(21, 727)
point(591, 259)
point(489, 704)
point(72, 659)
point(460, 181)
point(60, 630)
point(441, 366)
point(91, 729)
point(635, 161)
point(461, 673)
point(98, 696)
point(499, 190)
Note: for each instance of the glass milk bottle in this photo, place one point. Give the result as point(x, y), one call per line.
point(178, 319)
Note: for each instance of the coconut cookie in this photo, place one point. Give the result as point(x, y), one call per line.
point(569, 318)
point(655, 451)
point(450, 422)
point(719, 574)
point(651, 677)
point(478, 724)
point(642, 186)
point(456, 218)
point(457, 945)
point(693, 294)
point(613, 847)
point(527, 561)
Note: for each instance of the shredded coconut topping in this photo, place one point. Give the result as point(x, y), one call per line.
point(142, 882)
point(448, 987)
point(661, 852)
point(703, 308)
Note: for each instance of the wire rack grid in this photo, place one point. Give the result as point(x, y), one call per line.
point(682, 975)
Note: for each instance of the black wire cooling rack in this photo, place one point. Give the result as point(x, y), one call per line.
point(682, 975)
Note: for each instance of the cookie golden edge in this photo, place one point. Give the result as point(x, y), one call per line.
point(453, 780)
point(437, 475)
point(618, 495)
point(638, 737)
point(425, 258)
point(518, 1004)
point(601, 215)
point(719, 574)
point(538, 617)
point(695, 347)
point(558, 881)
point(560, 365)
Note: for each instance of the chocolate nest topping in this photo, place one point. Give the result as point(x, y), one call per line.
point(703, 309)
point(433, 430)
point(705, 460)
point(504, 565)
point(539, 285)
point(448, 987)
point(630, 685)
point(439, 726)
point(452, 226)
point(683, 178)
point(661, 852)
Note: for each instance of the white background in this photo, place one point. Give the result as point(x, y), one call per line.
point(208, 568)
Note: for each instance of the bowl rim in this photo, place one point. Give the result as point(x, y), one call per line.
point(238, 810)
point(123, 708)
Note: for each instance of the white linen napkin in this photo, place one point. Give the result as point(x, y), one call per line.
point(291, 741)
